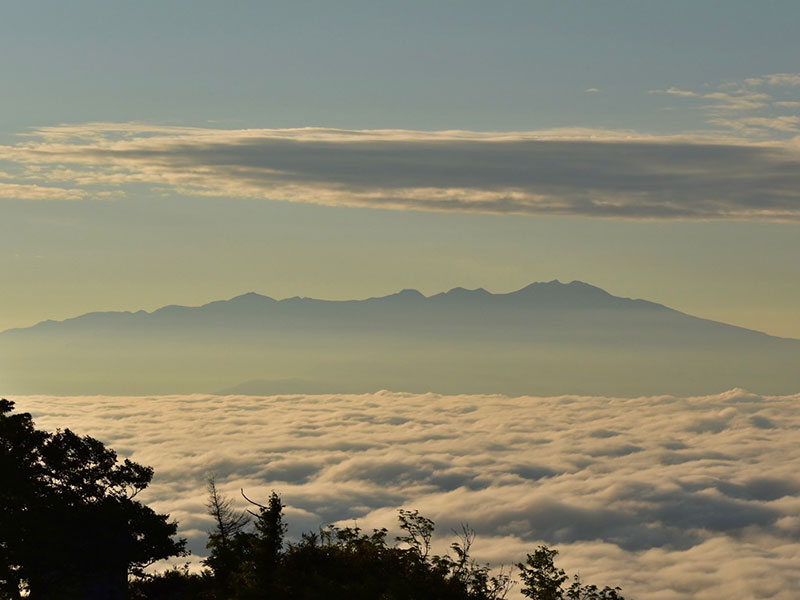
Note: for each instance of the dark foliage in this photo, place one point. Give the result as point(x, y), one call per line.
point(343, 562)
point(175, 584)
point(544, 581)
point(227, 542)
point(349, 563)
point(69, 524)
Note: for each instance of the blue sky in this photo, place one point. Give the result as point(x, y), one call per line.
point(414, 65)
point(697, 104)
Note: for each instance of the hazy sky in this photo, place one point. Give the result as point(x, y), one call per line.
point(179, 152)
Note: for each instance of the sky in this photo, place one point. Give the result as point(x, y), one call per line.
point(157, 153)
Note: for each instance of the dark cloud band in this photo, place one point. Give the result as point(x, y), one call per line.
point(515, 173)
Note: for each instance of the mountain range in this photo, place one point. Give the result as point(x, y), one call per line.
point(546, 338)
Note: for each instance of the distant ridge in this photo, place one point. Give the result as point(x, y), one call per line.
point(545, 338)
point(552, 294)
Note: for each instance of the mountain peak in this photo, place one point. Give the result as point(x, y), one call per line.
point(250, 296)
point(407, 294)
point(410, 293)
point(461, 291)
point(575, 284)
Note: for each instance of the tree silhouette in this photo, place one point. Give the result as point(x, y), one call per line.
point(263, 549)
point(544, 581)
point(70, 527)
point(226, 542)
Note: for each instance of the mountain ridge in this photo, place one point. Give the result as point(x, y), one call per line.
point(547, 338)
point(554, 293)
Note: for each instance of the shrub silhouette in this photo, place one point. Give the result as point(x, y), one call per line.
point(339, 563)
point(346, 562)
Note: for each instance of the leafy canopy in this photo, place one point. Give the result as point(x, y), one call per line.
point(70, 526)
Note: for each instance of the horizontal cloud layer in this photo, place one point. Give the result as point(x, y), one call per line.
point(669, 497)
point(592, 173)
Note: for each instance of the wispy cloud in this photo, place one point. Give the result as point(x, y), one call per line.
point(578, 172)
point(673, 91)
point(740, 101)
point(39, 192)
point(782, 123)
point(781, 79)
point(749, 107)
point(701, 495)
point(728, 101)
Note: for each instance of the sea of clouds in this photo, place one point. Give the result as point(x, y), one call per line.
point(668, 497)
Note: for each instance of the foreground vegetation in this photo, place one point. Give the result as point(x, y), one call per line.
point(71, 529)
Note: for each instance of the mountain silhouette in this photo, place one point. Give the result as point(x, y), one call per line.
point(546, 338)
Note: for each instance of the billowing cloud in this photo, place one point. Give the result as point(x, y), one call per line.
point(669, 497)
point(592, 173)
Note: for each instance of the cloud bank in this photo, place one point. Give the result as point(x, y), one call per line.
point(570, 172)
point(669, 497)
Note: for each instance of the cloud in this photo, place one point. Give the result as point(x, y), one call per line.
point(782, 123)
point(673, 91)
point(742, 100)
point(669, 497)
point(776, 79)
point(571, 172)
point(39, 192)
point(745, 107)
